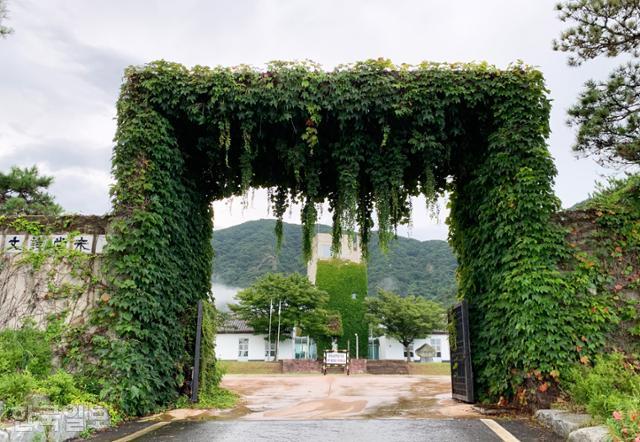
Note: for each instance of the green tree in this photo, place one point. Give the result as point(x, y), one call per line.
point(404, 318)
point(4, 30)
point(23, 192)
point(607, 114)
point(302, 306)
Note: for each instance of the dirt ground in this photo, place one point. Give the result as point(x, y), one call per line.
point(266, 397)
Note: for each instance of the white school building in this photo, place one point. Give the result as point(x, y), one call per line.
point(434, 348)
point(236, 341)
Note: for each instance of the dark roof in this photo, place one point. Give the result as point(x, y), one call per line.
point(235, 325)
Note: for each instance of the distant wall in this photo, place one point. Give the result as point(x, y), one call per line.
point(301, 365)
point(50, 267)
point(608, 241)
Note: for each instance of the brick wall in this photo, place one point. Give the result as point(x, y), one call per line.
point(301, 366)
point(358, 366)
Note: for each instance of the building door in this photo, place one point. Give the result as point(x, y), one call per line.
point(243, 349)
point(374, 349)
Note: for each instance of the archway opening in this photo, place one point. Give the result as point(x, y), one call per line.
point(365, 138)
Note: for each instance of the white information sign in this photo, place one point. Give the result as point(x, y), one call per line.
point(82, 243)
point(14, 243)
point(336, 358)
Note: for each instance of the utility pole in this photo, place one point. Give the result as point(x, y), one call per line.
point(357, 354)
point(270, 313)
point(278, 338)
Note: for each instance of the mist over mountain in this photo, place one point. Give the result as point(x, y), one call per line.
point(224, 295)
point(247, 251)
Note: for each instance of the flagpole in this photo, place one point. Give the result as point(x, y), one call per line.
point(278, 338)
point(270, 313)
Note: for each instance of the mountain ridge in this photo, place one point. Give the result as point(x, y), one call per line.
point(246, 251)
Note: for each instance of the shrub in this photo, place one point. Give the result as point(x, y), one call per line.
point(60, 388)
point(26, 369)
point(14, 389)
point(25, 349)
point(611, 384)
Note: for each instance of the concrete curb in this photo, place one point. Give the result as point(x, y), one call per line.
point(140, 433)
point(572, 426)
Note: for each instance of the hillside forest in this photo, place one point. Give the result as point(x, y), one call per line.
point(247, 251)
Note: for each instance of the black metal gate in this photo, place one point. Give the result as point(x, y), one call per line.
point(460, 344)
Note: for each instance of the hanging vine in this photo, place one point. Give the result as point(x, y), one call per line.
point(366, 138)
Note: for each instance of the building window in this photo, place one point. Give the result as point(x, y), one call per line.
point(305, 348)
point(324, 251)
point(269, 354)
point(243, 348)
point(437, 346)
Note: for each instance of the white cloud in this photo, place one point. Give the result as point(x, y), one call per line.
point(62, 67)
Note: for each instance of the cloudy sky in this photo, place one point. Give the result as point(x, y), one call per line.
point(60, 71)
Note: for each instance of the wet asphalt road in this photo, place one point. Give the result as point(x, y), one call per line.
point(459, 430)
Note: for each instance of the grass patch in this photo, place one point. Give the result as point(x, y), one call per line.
point(250, 367)
point(430, 368)
point(219, 398)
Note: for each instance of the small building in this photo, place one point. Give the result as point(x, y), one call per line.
point(436, 345)
point(237, 341)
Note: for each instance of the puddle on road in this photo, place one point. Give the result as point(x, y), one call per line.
point(319, 409)
point(192, 414)
point(376, 397)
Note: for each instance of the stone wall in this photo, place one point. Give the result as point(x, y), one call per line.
point(37, 281)
point(621, 266)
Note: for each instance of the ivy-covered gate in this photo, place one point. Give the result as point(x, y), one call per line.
point(364, 137)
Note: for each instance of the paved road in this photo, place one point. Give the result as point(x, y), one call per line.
point(308, 397)
point(372, 430)
point(311, 408)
